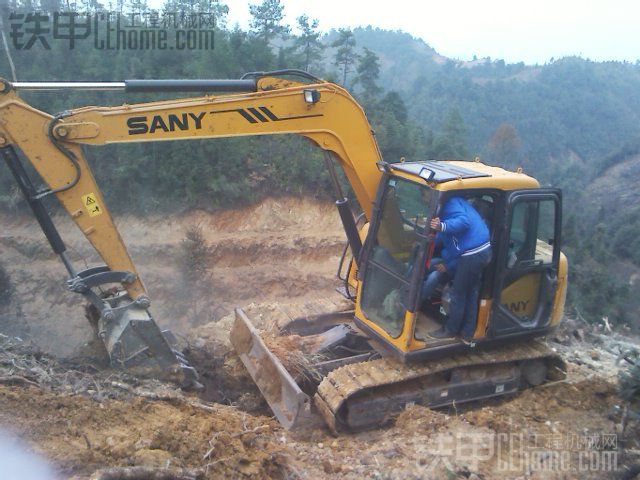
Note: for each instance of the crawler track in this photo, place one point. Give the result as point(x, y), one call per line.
point(365, 395)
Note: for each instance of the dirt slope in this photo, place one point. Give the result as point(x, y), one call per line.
point(281, 250)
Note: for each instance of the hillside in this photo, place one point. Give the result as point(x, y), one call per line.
point(286, 248)
point(570, 105)
point(403, 58)
point(613, 202)
point(615, 191)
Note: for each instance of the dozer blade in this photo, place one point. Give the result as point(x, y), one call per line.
point(288, 402)
point(134, 341)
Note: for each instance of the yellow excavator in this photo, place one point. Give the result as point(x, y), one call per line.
point(364, 365)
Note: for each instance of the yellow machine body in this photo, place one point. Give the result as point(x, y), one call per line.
point(322, 112)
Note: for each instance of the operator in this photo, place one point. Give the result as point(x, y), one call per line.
point(441, 270)
point(465, 238)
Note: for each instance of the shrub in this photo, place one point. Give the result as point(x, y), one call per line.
point(196, 271)
point(194, 257)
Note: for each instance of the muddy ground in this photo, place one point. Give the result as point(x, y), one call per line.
point(277, 260)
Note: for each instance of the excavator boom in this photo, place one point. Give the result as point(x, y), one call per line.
point(257, 105)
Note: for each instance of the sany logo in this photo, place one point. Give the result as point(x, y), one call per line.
point(173, 122)
point(193, 121)
point(517, 307)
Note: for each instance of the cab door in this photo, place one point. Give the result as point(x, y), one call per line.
point(527, 261)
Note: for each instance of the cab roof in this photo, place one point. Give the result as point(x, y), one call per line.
point(453, 174)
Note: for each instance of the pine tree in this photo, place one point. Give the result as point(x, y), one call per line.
point(394, 104)
point(368, 71)
point(451, 144)
point(195, 255)
point(308, 43)
point(266, 21)
point(345, 56)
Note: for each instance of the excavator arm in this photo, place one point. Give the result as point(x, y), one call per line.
point(321, 111)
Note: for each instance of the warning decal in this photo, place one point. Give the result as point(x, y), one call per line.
point(91, 204)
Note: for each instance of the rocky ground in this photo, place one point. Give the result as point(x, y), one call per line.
point(277, 260)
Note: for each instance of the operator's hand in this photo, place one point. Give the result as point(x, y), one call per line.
point(441, 267)
point(435, 224)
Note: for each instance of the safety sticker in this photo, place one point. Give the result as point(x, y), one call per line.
point(91, 204)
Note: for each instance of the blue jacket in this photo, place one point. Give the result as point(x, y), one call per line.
point(463, 229)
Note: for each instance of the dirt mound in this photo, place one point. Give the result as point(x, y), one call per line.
point(81, 435)
point(417, 417)
point(84, 418)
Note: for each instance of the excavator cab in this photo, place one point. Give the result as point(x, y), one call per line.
point(519, 292)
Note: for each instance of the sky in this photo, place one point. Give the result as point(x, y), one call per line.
point(512, 30)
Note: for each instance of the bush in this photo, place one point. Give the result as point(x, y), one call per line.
point(194, 257)
point(629, 378)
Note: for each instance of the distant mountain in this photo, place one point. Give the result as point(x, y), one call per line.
point(403, 58)
point(570, 105)
point(615, 189)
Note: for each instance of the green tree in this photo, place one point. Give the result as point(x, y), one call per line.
point(451, 143)
point(266, 20)
point(394, 104)
point(308, 43)
point(345, 56)
point(625, 230)
point(397, 137)
point(368, 72)
point(455, 131)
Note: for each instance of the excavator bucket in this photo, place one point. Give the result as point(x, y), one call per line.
point(134, 341)
point(288, 402)
point(131, 336)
